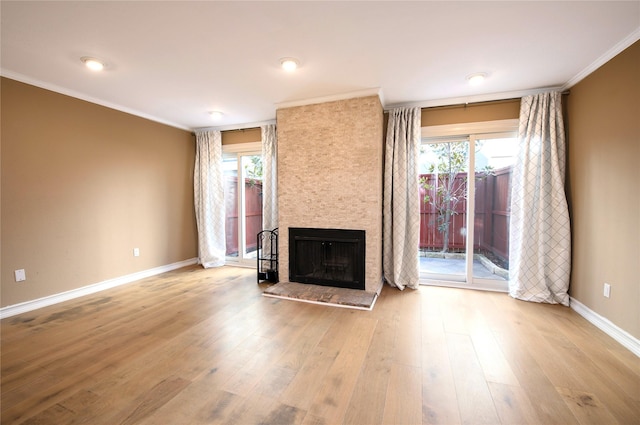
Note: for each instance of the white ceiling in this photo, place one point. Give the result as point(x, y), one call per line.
point(175, 61)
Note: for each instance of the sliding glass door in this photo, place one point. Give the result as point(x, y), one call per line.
point(494, 159)
point(461, 174)
point(243, 205)
point(443, 193)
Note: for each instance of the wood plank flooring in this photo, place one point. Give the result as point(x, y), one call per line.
point(197, 346)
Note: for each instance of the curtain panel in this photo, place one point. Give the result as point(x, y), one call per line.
point(540, 234)
point(401, 207)
point(208, 193)
point(269, 177)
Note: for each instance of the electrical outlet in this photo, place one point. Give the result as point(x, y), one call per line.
point(20, 275)
point(607, 290)
point(136, 252)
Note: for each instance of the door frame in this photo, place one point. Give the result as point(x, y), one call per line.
point(471, 131)
point(240, 150)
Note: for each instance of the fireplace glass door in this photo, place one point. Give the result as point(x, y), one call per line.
point(329, 257)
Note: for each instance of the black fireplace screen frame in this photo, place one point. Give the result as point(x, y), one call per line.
point(334, 257)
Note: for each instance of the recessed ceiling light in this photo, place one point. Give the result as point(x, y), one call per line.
point(92, 63)
point(216, 115)
point(289, 64)
point(476, 79)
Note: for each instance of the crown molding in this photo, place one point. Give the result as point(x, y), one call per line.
point(606, 57)
point(332, 98)
point(67, 92)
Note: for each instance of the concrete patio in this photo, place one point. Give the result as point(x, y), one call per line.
point(482, 268)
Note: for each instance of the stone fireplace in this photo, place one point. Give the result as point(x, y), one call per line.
point(330, 159)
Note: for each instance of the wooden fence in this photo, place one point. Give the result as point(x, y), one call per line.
point(491, 219)
point(253, 207)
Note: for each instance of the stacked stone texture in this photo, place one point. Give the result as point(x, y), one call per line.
point(330, 164)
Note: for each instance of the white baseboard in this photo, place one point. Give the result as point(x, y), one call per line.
point(623, 337)
point(24, 307)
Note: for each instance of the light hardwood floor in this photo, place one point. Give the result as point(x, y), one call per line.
point(198, 346)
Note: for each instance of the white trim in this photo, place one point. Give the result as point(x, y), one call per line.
point(353, 307)
point(489, 97)
point(623, 337)
point(232, 263)
point(471, 206)
point(332, 98)
point(492, 286)
point(27, 306)
point(67, 92)
point(465, 129)
point(606, 57)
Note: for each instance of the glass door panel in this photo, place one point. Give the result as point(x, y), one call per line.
point(252, 207)
point(243, 205)
point(494, 159)
point(443, 218)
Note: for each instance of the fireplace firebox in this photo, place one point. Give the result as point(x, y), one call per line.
point(329, 257)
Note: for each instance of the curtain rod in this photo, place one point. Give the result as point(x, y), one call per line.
point(457, 105)
point(513, 99)
point(481, 98)
point(484, 102)
point(244, 126)
point(242, 130)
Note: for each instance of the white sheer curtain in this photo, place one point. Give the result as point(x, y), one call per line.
point(269, 177)
point(401, 208)
point(208, 193)
point(540, 234)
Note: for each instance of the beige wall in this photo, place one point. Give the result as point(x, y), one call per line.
point(473, 112)
point(604, 189)
point(82, 185)
point(330, 174)
point(248, 135)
